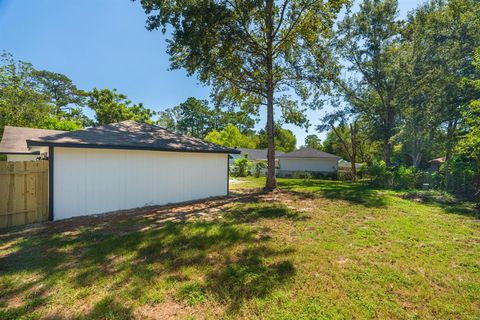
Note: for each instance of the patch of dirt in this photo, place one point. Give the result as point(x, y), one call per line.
point(14, 302)
point(147, 218)
point(167, 310)
point(343, 261)
point(109, 222)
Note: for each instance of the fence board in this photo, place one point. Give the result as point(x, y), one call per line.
point(23, 192)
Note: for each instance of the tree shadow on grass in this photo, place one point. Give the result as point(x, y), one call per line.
point(354, 192)
point(254, 212)
point(249, 276)
point(466, 209)
point(132, 252)
point(449, 203)
point(109, 308)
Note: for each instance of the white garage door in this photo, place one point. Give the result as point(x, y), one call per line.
point(89, 181)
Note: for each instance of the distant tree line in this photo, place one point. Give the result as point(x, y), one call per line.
point(409, 94)
point(49, 100)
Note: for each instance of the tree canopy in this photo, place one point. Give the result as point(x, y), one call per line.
point(246, 50)
point(313, 141)
point(111, 106)
point(194, 117)
point(231, 136)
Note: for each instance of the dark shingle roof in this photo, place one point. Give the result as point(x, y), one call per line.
point(14, 139)
point(257, 154)
point(308, 153)
point(130, 135)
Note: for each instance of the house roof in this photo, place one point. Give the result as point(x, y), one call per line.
point(308, 153)
point(257, 154)
point(14, 139)
point(129, 135)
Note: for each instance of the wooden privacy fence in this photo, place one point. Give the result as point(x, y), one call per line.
point(23, 192)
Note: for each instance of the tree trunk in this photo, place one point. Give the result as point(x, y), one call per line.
point(417, 159)
point(452, 126)
point(387, 144)
point(271, 180)
point(353, 158)
point(387, 152)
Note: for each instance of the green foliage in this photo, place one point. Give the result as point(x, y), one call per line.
point(50, 100)
point(194, 117)
point(285, 140)
point(52, 122)
point(313, 141)
point(367, 41)
point(406, 178)
point(400, 80)
point(401, 177)
point(191, 117)
point(62, 92)
point(231, 136)
point(111, 106)
point(469, 144)
point(39, 99)
point(379, 174)
point(243, 34)
point(332, 143)
point(21, 104)
point(464, 177)
point(242, 165)
point(259, 167)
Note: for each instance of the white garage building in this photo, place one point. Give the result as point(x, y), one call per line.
point(128, 165)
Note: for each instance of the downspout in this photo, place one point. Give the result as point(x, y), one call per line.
point(50, 183)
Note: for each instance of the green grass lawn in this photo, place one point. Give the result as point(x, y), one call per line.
point(313, 250)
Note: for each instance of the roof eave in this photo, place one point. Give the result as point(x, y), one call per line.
point(20, 152)
point(104, 146)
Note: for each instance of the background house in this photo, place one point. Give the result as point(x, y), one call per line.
point(14, 142)
point(435, 164)
point(254, 155)
point(344, 164)
point(307, 160)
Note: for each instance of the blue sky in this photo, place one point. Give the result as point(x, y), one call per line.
point(104, 44)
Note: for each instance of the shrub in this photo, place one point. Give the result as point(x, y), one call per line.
point(405, 178)
point(242, 165)
point(463, 177)
point(345, 174)
point(307, 177)
point(379, 174)
point(259, 166)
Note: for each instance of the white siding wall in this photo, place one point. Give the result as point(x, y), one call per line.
point(306, 164)
point(89, 181)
